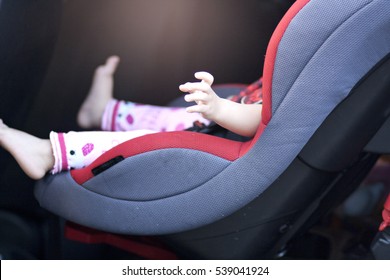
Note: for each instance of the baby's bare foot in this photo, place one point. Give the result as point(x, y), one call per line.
point(34, 155)
point(101, 92)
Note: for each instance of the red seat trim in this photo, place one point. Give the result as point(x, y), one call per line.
point(271, 53)
point(145, 247)
point(269, 65)
point(226, 149)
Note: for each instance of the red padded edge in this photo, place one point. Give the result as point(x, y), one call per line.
point(268, 70)
point(146, 247)
point(271, 53)
point(227, 149)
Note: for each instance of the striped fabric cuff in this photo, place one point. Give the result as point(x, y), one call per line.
point(109, 115)
point(59, 152)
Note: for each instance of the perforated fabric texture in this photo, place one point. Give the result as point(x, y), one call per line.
point(144, 172)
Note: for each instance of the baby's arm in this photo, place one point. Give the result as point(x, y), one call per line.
point(242, 119)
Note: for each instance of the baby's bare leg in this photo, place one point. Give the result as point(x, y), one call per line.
point(101, 92)
point(34, 155)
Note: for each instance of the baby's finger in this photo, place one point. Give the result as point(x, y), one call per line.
point(192, 87)
point(205, 77)
point(186, 87)
point(197, 96)
point(200, 108)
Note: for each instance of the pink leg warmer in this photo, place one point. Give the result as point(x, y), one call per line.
point(121, 121)
point(125, 116)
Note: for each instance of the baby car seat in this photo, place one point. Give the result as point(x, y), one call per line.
point(325, 89)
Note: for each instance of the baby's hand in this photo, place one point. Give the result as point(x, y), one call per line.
point(207, 101)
